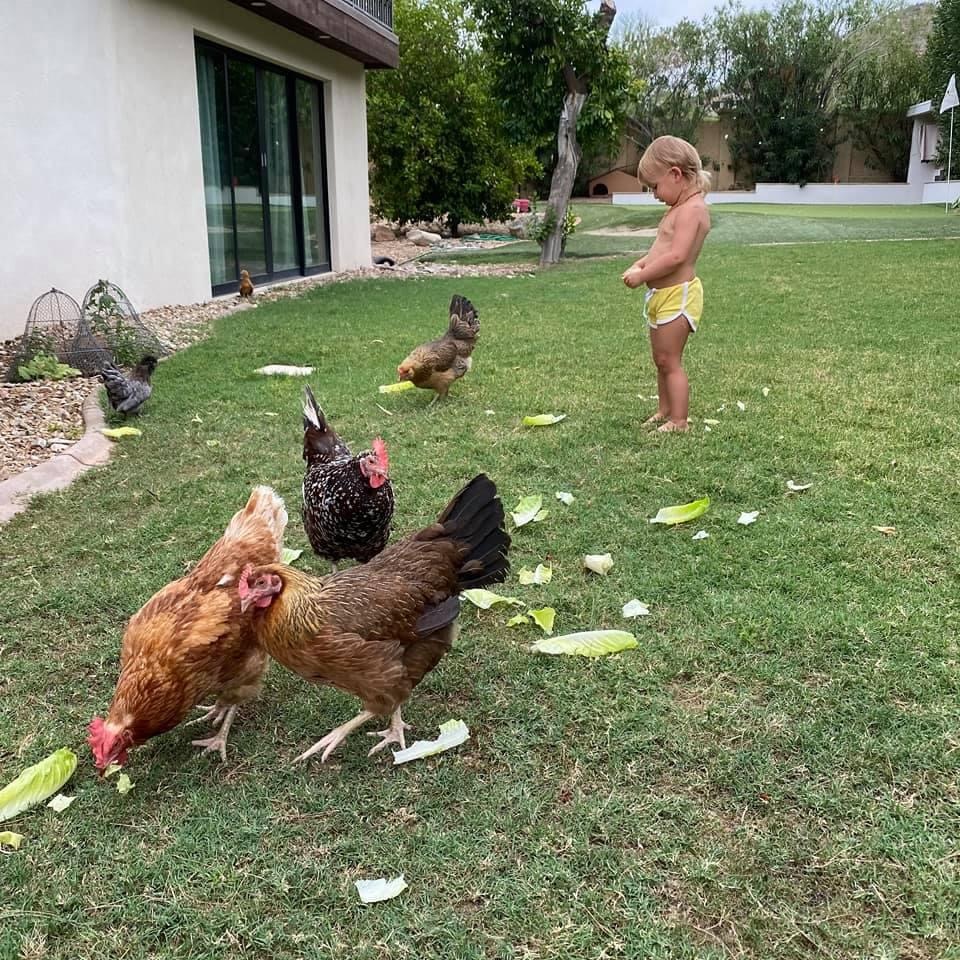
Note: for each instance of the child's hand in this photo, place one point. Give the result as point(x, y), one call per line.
point(631, 278)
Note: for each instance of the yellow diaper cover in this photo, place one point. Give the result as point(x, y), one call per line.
point(662, 305)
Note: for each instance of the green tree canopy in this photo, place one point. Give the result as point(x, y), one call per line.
point(559, 82)
point(678, 66)
point(780, 76)
point(437, 137)
point(943, 60)
point(885, 78)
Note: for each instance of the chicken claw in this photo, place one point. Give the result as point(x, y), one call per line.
point(335, 737)
point(393, 734)
point(223, 718)
point(214, 714)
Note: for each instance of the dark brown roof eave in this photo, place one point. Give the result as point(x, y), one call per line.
point(354, 35)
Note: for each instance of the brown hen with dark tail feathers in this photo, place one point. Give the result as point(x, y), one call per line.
point(377, 630)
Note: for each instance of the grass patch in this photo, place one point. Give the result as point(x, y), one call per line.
point(773, 773)
point(740, 224)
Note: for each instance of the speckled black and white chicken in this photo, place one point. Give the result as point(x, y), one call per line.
point(347, 499)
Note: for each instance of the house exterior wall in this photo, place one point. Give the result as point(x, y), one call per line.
point(100, 117)
point(923, 149)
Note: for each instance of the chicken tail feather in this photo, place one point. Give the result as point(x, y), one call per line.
point(263, 507)
point(475, 518)
point(464, 319)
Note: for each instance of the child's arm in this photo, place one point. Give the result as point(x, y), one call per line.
point(646, 271)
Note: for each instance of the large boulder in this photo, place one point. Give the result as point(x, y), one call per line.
point(423, 238)
point(382, 233)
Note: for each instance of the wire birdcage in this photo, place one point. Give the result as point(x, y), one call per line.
point(111, 331)
point(52, 326)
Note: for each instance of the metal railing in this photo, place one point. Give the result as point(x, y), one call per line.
point(379, 10)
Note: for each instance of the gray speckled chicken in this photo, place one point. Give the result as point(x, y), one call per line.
point(128, 394)
point(347, 499)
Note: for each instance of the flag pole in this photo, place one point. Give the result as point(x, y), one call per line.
point(951, 100)
point(946, 204)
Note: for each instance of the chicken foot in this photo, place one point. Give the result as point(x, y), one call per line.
point(393, 733)
point(336, 736)
point(220, 715)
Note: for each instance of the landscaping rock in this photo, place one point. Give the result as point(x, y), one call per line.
point(382, 233)
point(423, 238)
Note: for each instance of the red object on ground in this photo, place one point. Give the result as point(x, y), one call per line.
point(521, 205)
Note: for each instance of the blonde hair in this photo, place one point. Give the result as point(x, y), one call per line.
point(667, 152)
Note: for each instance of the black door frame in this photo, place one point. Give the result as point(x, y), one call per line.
point(296, 172)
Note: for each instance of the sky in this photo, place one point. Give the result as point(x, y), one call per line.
point(670, 11)
point(666, 12)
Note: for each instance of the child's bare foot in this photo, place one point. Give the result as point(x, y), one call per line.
point(656, 418)
point(672, 427)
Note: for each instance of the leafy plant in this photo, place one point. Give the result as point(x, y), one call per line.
point(109, 324)
point(46, 367)
point(542, 225)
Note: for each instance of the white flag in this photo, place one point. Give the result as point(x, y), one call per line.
point(950, 98)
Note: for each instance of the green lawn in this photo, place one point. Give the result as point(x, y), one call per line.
point(773, 773)
point(738, 224)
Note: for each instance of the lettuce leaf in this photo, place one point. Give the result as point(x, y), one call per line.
point(375, 891)
point(397, 387)
point(543, 618)
point(543, 419)
point(289, 556)
point(635, 608)
point(37, 783)
point(11, 839)
point(452, 734)
point(682, 513)
point(485, 599)
point(543, 574)
point(117, 433)
point(529, 508)
point(590, 643)
point(601, 563)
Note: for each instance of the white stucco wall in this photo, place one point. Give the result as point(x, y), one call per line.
point(812, 193)
point(99, 121)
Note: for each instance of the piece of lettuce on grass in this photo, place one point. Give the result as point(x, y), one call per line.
point(37, 783)
point(590, 643)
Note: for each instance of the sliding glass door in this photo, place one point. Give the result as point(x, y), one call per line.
point(261, 132)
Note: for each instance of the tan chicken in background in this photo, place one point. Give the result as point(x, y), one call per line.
point(190, 641)
point(246, 285)
point(435, 365)
point(376, 630)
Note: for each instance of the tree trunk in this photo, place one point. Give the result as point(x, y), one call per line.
point(568, 152)
point(564, 174)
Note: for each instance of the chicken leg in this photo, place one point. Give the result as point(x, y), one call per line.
point(336, 736)
point(220, 715)
point(393, 733)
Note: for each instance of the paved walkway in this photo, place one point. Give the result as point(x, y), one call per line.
point(59, 471)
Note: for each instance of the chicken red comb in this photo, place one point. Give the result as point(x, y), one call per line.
point(380, 449)
point(95, 739)
point(243, 588)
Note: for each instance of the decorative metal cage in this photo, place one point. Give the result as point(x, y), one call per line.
point(111, 331)
point(52, 326)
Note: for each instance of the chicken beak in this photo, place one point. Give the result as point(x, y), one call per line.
point(245, 603)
